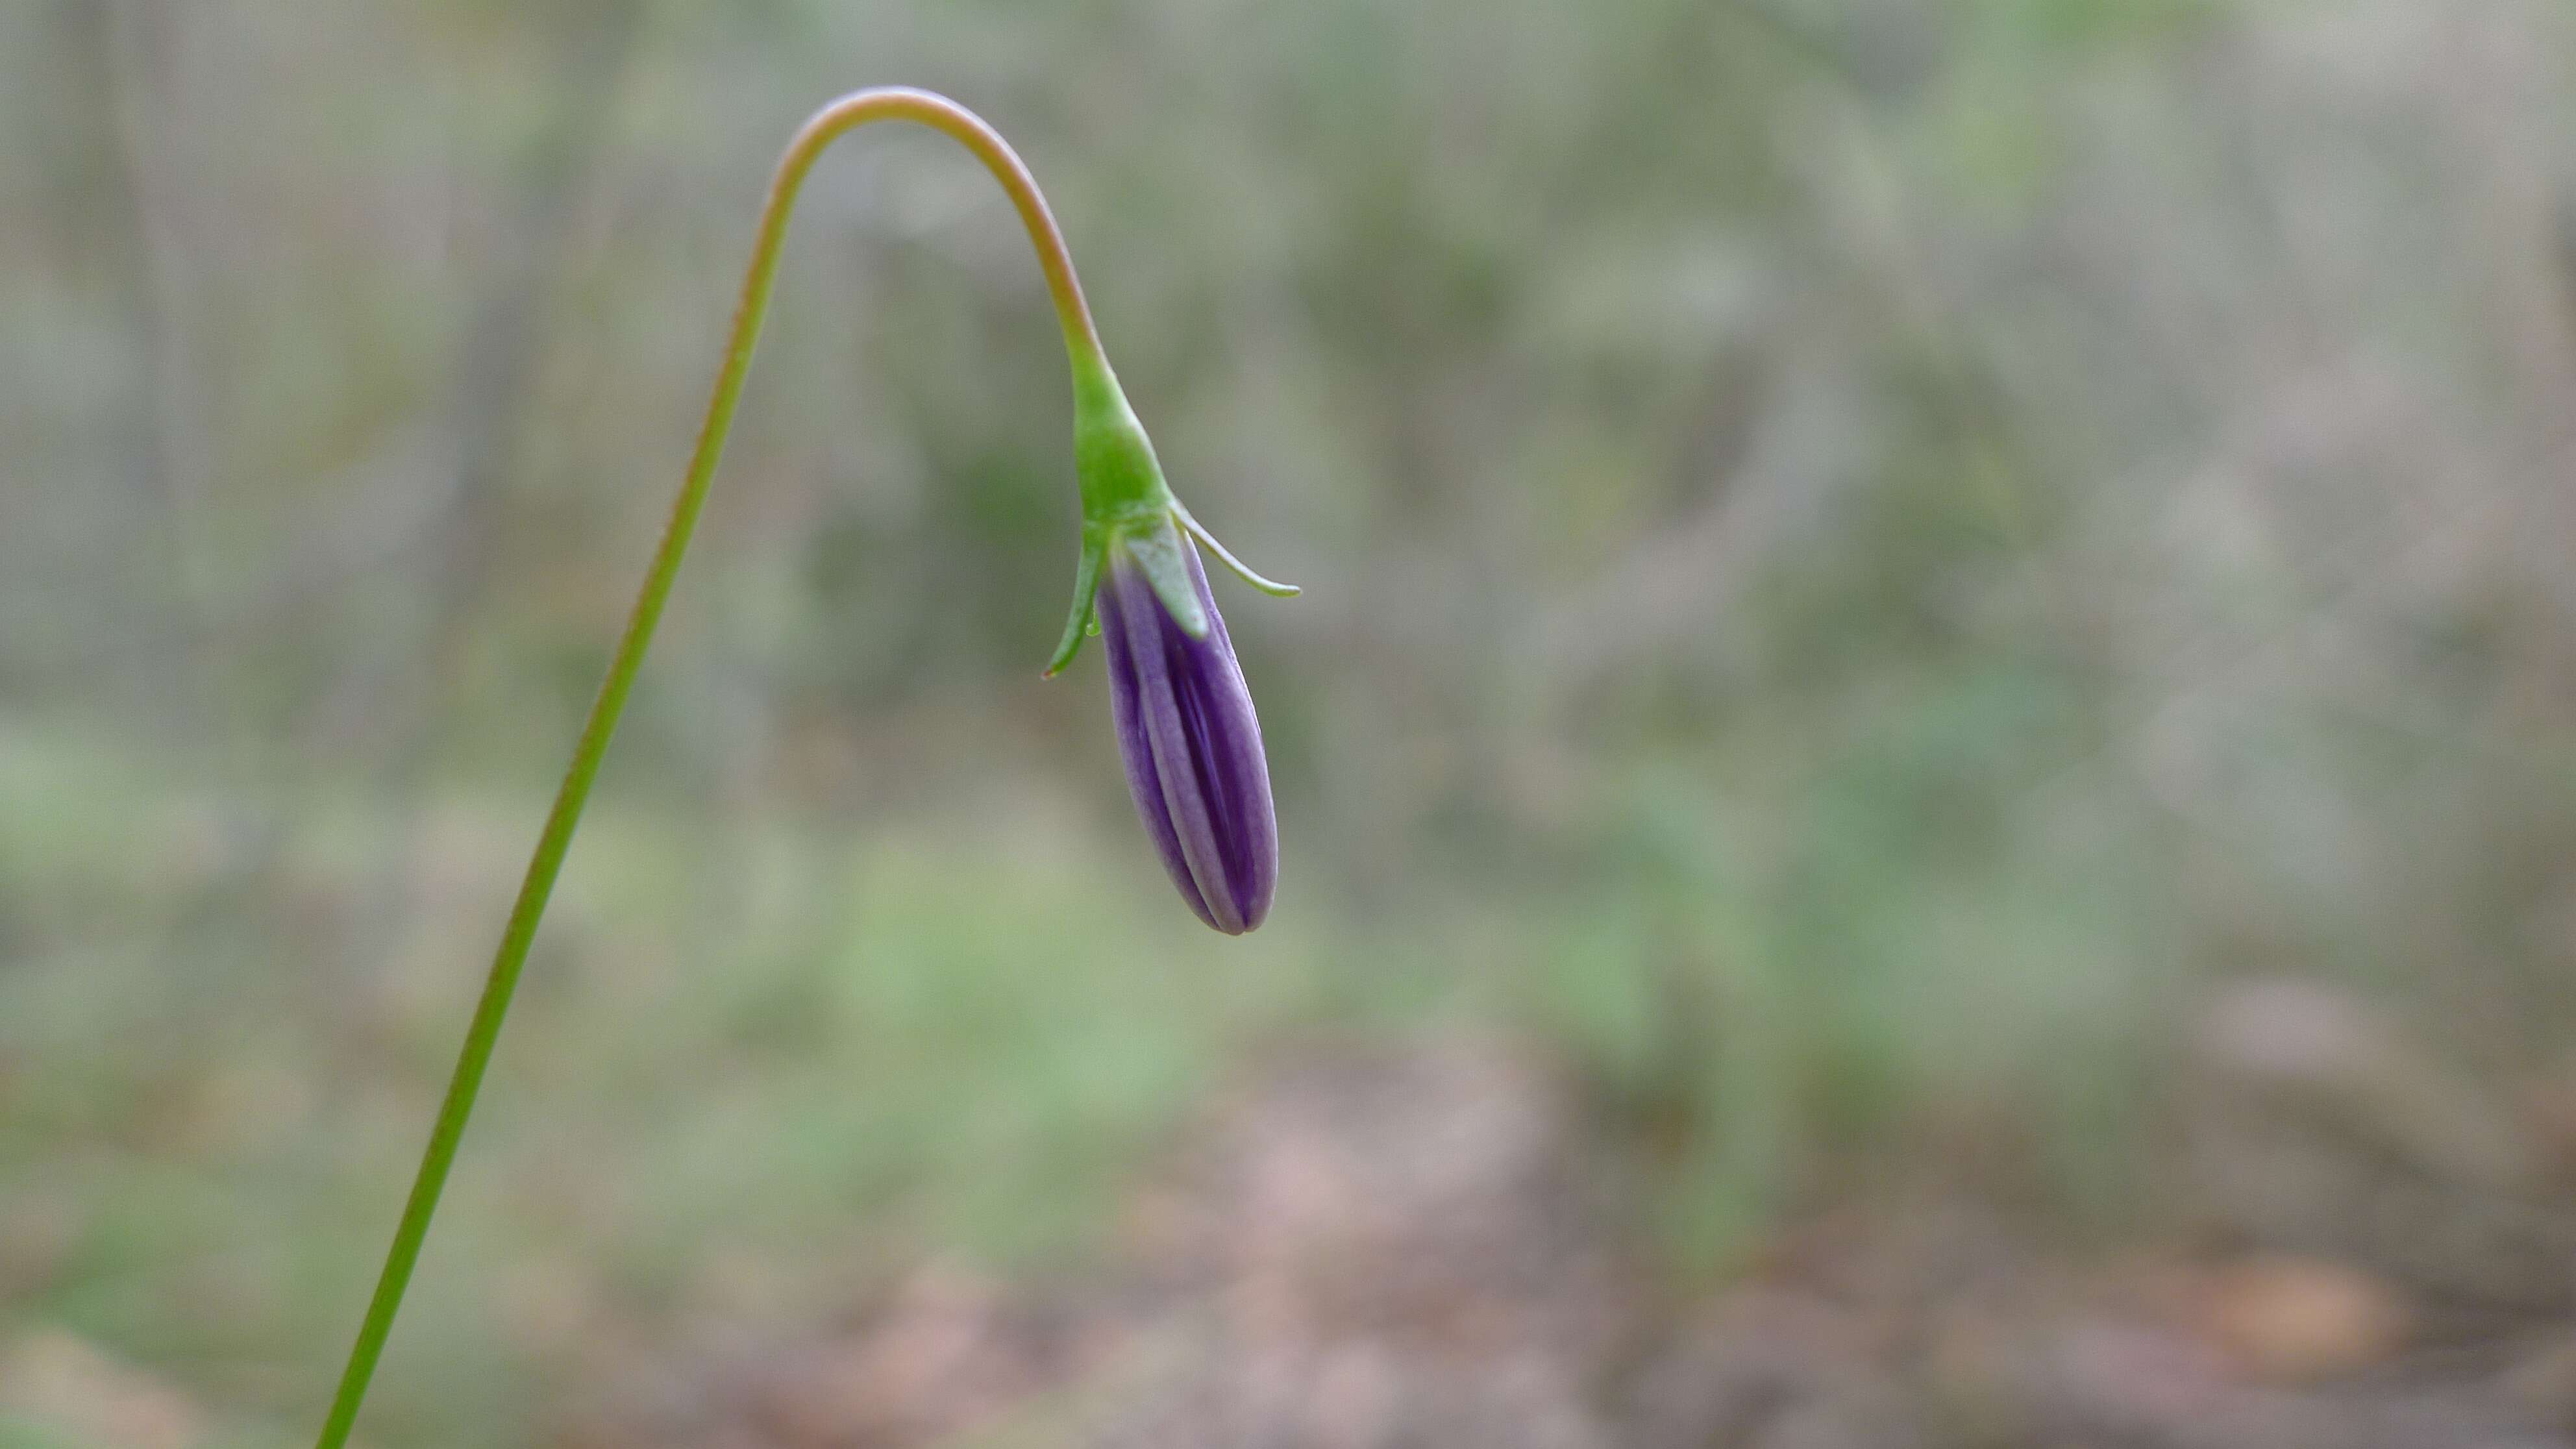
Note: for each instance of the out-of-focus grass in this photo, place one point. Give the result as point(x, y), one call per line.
point(755, 1058)
point(737, 1076)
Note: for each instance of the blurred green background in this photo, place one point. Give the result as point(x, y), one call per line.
point(1864, 562)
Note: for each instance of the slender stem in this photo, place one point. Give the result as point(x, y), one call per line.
point(1081, 342)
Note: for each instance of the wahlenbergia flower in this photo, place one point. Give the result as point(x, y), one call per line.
point(1185, 724)
point(1192, 746)
point(1186, 727)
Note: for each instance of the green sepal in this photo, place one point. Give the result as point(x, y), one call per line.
point(1081, 623)
point(1226, 556)
point(1122, 481)
point(1126, 504)
point(1160, 552)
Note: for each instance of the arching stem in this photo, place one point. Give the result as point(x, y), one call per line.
point(1081, 342)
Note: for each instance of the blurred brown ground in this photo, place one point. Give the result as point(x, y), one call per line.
point(1364, 1249)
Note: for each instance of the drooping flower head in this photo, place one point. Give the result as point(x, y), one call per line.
point(1192, 745)
point(1186, 727)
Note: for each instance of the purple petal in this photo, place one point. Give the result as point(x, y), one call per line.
point(1192, 747)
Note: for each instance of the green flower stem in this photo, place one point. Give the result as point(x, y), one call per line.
point(1081, 342)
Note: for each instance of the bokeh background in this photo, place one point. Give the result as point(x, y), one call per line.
point(1927, 777)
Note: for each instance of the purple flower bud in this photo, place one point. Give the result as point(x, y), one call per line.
point(1192, 745)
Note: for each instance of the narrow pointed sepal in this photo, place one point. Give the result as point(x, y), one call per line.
point(1225, 556)
point(1191, 743)
point(1086, 584)
point(1159, 552)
